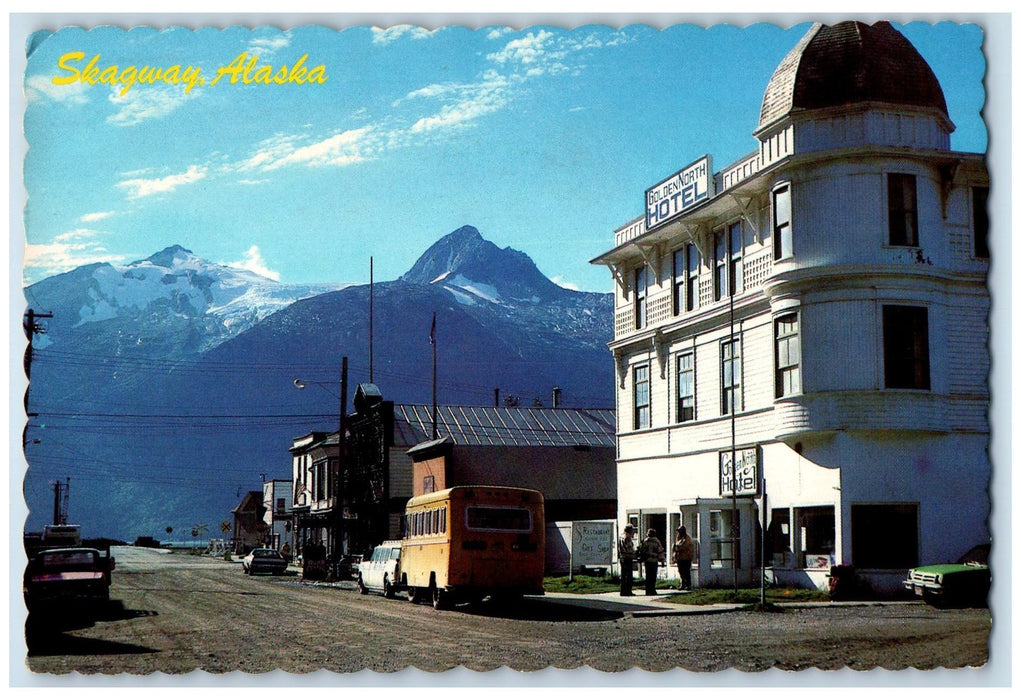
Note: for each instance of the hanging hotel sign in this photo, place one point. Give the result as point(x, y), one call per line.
point(678, 193)
point(744, 481)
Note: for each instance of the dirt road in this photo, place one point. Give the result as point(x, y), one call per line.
point(175, 613)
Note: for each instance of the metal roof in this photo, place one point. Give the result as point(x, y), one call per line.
point(506, 426)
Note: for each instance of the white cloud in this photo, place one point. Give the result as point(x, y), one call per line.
point(346, 148)
point(253, 262)
point(39, 87)
point(144, 187)
point(95, 216)
point(268, 45)
point(454, 105)
point(528, 49)
point(146, 102)
point(76, 235)
point(67, 251)
point(465, 102)
point(465, 110)
point(385, 36)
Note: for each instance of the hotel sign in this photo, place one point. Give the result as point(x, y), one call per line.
point(675, 195)
point(743, 481)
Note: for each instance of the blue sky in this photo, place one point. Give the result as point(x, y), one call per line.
point(543, 138)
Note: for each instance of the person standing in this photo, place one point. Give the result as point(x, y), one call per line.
point(684, 552)
point(651, 552)
point(626, 557)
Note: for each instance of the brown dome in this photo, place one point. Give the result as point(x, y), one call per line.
point(850, 63)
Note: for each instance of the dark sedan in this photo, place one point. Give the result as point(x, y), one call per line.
point(68, 575)
point(264, 560)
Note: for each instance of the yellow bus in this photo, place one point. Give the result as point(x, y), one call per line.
point(467, 542)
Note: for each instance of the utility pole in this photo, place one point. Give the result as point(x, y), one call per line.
point(735, 527)
point(370, 319)
point(56, 502)
point(339, 497)
point(32, 327)
point(432, 341)
point(60, 498)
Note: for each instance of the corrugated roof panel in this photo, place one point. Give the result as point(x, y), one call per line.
point(505, 425)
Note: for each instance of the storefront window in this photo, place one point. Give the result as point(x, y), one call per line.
point(778, 539)
point(816, 535)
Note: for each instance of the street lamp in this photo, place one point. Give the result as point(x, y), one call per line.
point(341, 454)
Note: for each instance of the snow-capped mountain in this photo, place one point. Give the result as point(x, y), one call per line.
point(168, 385)
point(472, 268)
point(172, 300)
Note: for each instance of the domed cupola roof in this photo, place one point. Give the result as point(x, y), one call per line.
point(851, 63)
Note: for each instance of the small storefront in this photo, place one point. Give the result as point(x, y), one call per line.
point(722, 512)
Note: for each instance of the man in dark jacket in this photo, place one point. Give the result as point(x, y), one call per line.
point(651, 552)
point(684, 552)
point(626, 557)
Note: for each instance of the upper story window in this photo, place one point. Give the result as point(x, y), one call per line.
point(685, 292)
point(735, 278)
point(321, 481)
point(783, 241)
point(691, 289)
point(980, 220)
point(680, 273)
point(641, 296)
point(902, 205)
point(727, 249)
point(730, 370)
point(788, 355)
point(719, 264)
point(685, 387)
point(906, 347)
point(643, 414)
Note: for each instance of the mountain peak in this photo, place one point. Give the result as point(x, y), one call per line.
point(168, 256)
point(465, 261)
point(467, 235)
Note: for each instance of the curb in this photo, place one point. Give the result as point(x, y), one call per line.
point(653, 608)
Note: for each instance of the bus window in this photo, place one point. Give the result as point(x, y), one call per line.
point(506, 519)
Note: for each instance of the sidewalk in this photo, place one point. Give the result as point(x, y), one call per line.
point(641, 605)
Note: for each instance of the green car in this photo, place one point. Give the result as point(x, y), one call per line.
point(965, 583)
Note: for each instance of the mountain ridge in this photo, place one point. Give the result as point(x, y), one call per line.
point(169, 416)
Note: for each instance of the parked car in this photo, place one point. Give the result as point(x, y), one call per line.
point(264, 560)
point(68, 575)
point(946, 585)
point(381, 572)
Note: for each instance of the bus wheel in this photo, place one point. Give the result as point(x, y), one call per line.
point(441, 600)
point(388, 590)
point(413, 594)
